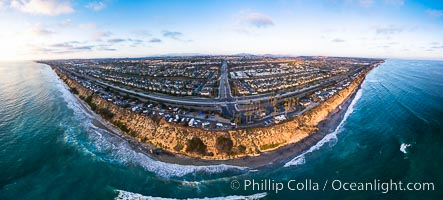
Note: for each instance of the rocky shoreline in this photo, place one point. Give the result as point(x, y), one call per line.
point(313, 127)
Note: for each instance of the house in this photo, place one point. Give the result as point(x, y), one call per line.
point(305, 102)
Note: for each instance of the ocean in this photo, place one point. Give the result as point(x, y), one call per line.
point(49, 149)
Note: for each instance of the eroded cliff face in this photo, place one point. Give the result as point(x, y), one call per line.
point(174, 138)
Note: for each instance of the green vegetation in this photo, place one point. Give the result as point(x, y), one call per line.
point(196, 145)
point(105, 113)
point(224, 145)
point(132, 133)
point(74, 90)
point(241, 149)
point(122, 126)
point(178, 147)
point(88, 100)
point(269, 146)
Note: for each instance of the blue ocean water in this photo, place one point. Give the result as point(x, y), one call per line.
point(49, 148)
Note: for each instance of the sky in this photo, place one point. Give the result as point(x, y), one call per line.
point(60, 29)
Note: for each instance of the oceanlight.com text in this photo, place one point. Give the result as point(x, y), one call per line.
point(383, 186)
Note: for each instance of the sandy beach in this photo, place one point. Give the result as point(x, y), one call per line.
point(265, 159)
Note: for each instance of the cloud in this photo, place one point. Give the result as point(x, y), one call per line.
point(2, 4)
point(338, 40)
point(434, 48)
point(173, 34)
point(388, 30)
point(62, 45)
point(43, 7)
point(108, 49)
point(437, 47)
point(96, 5)
point(244, 31)
point(95, 32)
point(135, 42)
point(142, 33)
point(434, 13)
point(40, 30)
point(105, 47)
point(65, 47)
point(90, 25)
point(395, 2)
point(88, 47)
point(98, 35)
point(116, 40)
point(256, 19)
point(155, 40)
point(65, 23)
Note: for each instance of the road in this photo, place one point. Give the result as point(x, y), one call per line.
point(224, 98)
point(224, 90)
point(224, 102)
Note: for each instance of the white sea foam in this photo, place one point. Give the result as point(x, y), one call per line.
point(403, 147)
point(125, 195)
point(300, 159)
point(108, 147)
point(72, 102)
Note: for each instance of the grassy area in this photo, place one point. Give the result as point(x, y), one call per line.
point(269, 146)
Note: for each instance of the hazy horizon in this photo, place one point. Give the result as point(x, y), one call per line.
point(64, 29)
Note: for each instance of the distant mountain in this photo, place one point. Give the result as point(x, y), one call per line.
point(177, 55)
point(244, 54)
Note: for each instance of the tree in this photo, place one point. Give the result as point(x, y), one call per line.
point(106, 113)
point(224, 144)
point(196, 145)
point(241, 149)
point(74, 90)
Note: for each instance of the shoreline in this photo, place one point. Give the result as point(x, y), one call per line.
point(264, 159)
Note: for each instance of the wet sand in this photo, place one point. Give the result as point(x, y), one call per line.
point(265, 159)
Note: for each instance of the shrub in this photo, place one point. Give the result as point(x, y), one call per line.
point(224, 145)
point(106, 113)
point(241, 149)
point(122, 126)
point(196, 145)
point(268, 146)
point(178, 147)
point(88, 100)
point(93, 106)
point(74, 90)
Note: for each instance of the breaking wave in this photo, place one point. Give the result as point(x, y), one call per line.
point(403, 147)
point(125, 195)
point(300, 159)
point(102, 145)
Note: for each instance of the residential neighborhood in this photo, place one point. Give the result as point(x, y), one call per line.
point(216, 92)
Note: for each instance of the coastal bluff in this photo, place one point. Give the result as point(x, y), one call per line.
point(214, 145)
